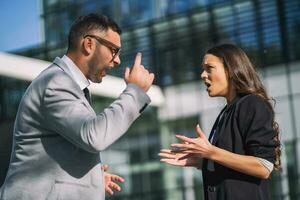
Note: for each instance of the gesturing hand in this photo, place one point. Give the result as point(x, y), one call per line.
point(139, 75)
point(178, 158)
point(199, 145)
point(109, 181)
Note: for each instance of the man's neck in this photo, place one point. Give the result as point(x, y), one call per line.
point(78, 61)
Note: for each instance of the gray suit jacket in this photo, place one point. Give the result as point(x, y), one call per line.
point(58, 138)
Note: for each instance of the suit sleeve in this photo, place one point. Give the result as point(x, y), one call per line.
point(69, 117)
point(255, 120)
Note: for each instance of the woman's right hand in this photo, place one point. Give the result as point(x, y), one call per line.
point(177, 158)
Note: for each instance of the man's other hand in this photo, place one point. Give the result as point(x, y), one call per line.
point(110, 183)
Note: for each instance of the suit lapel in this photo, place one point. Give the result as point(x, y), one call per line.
point(218, 125)
point(223, 117)
point(61, 64)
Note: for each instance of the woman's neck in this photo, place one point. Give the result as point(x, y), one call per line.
point(231, 94)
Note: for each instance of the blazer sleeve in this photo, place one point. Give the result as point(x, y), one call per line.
point(255, 121)
point(67, 115)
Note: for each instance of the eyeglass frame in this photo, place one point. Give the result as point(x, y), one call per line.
point(115, 50)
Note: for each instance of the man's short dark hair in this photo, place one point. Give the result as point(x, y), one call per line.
point(84, 24)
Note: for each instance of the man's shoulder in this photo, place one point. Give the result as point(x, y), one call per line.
point(53, 76)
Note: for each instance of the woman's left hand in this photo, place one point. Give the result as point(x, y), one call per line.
point(199, 145)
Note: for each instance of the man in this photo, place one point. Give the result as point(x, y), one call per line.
point(57, 135)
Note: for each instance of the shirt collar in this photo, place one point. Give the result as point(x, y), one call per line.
point(78, 76)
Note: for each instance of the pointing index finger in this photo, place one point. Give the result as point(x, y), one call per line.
point(138, 60)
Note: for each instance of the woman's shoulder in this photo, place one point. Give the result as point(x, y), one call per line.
point(250, 103)
point(251, 100)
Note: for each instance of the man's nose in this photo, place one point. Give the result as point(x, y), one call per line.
point(117, 60)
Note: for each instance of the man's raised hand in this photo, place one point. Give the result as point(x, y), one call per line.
point(138, 75)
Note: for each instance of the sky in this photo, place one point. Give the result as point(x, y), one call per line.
point(19, 24)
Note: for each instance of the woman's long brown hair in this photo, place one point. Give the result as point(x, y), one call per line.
point(246, 80)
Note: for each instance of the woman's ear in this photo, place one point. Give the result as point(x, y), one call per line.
point(228, 75)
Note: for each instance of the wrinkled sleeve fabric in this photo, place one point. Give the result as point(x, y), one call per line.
point(255, 121)
point(67, 115)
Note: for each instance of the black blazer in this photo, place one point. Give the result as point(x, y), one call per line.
point(245, 129)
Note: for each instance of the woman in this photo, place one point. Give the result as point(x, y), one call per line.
point(243, 146)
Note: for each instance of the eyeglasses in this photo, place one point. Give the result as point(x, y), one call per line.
point(115, 50)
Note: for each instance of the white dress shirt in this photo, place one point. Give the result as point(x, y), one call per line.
point(78, 76)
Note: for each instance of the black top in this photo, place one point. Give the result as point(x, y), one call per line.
point(244, 127)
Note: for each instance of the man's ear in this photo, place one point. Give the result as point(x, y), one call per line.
point(87, 46)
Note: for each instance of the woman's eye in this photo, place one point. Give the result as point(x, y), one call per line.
point(208, 68)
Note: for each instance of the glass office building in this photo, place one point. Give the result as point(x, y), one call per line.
point(173, 36)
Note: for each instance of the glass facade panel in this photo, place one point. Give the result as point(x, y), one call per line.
point(296, 105)
point(11, 91)
point(292, 14)
point(283, 114)
point(134, 11)
point(293, 175)
point(276, 81)
point(295, 77)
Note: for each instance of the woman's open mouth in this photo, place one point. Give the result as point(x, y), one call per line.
point(207, 85)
